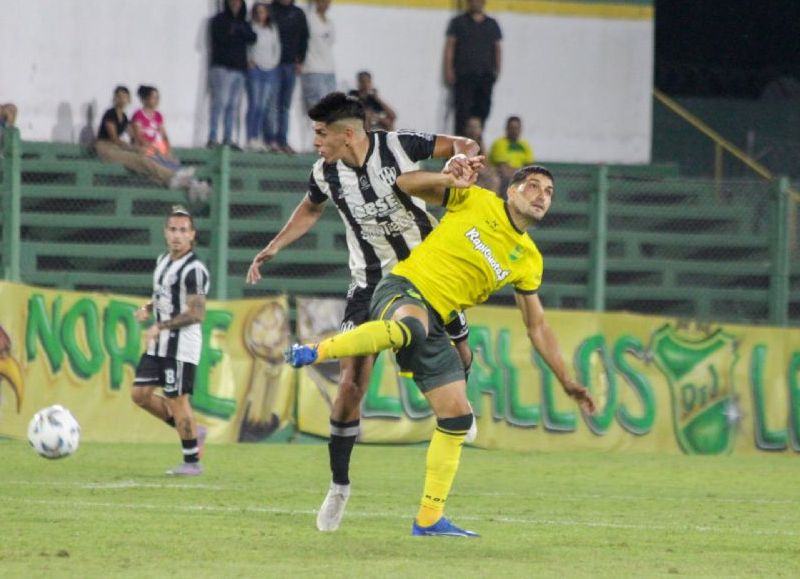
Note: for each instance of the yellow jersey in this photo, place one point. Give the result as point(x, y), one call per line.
point(472, 253)
point(516, 155)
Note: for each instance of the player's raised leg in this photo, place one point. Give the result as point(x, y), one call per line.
point(345, 422)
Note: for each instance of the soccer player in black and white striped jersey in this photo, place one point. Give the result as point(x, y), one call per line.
point(174, 341)
point(357, 171)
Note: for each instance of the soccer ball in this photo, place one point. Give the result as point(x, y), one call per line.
point(54, 432)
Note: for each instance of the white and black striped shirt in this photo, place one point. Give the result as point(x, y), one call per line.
point(383, 223)
point(173, 282)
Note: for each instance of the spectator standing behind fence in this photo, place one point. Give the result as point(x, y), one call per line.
point(472, 59)
point(488, 176)
point(8, 116)
point(293, 30)
point(511, 152)
point(230, 36)
point(263, 57)
point(380, 116)
point(149, 154)
point(319, 70)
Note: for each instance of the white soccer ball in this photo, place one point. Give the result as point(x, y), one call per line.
point(53, 432)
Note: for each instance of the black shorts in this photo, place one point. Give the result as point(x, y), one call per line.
point(175, 376)
point(357, 312)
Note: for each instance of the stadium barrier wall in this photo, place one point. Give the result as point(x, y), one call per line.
point(662, 385)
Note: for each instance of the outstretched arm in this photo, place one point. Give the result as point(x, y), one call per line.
point(544, 340)
point(303, 218)
point(431, 187)
point(446, 146)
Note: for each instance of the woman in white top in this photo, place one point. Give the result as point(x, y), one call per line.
point(262, 58)
point(319, 71)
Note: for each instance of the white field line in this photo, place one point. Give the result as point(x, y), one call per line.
point(386, 515)
point(583, 497)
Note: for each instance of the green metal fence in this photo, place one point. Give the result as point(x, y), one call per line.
point(641, 239)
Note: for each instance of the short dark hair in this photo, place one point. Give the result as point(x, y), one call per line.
point(366, 73)
point(513, 118)
point(337, 106)
point(180, 211)
point(122, 88)
point(145, 90)
point(523, 173)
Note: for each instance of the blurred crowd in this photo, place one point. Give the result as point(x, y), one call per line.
point(259, 55)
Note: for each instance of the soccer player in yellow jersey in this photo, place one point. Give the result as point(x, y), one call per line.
point(480, 246)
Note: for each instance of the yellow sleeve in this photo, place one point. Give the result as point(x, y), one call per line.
point(460, 199)
point(496, 156)
point(530, 281)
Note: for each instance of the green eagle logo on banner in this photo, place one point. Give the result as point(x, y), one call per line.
point(705, 413)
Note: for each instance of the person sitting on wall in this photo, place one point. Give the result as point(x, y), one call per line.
point(380, 115)
point(111, 146)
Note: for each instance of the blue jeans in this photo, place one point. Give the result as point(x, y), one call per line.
point(278, 118)
point(226, 95)
point(260, 90)
point(315, 86)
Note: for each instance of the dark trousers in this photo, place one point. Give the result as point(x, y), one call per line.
point(472, 97)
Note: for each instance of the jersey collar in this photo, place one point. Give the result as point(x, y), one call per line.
point(511, 221)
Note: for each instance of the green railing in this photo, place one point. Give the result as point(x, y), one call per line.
point(619, 238)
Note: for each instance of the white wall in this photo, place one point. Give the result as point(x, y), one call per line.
point(582, 86)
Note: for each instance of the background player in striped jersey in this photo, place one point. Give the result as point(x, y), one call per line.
point(358, 172)
point(174, 341)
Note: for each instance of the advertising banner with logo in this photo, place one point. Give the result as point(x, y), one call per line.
point(81, 349)
point(661, 385)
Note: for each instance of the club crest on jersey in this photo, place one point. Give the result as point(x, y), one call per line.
point(388, 176)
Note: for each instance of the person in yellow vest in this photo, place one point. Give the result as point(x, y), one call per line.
point(511, 152)
point(480, 246)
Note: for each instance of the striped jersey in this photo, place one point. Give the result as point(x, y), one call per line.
point(383, 224)
point(173, 282)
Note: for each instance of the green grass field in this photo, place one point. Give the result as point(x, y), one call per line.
point(109, 511)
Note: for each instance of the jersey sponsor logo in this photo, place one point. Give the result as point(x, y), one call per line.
point(400, 222)
point(381, 207)
point(475, 237)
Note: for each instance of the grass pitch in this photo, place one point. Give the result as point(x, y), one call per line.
point(109, 511)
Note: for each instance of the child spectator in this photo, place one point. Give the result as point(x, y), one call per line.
point(110, 146)
point(263, 57)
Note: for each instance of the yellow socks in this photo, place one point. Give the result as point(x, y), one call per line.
point(444, 454)
point(368, 338)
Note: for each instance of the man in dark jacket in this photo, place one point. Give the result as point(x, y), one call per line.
point(293, 30)
point(472, 62)
point(230, 35)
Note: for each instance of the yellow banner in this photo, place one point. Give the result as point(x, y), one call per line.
point(661, 385)
point(80, 350)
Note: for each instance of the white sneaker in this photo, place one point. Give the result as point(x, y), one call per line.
point(182, 178)
point(332, 509)
point(256, 145)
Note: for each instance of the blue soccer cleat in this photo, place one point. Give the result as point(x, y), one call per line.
point(442, 527)
point(300, 355)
